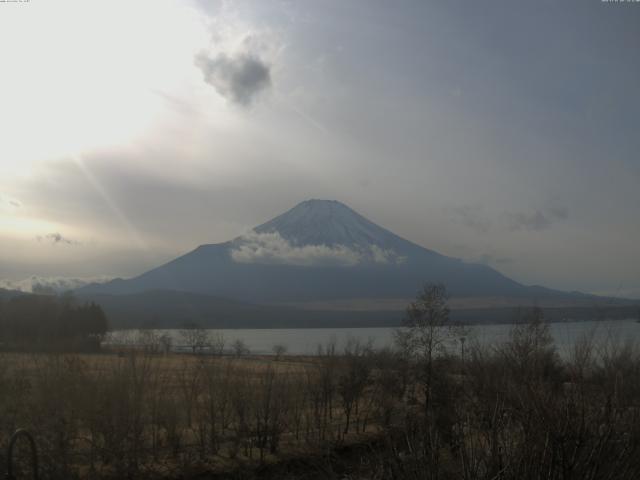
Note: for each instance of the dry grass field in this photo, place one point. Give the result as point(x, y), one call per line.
point(131, 414)
point(510, 411)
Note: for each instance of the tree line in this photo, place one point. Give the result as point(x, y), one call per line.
point(49, 321)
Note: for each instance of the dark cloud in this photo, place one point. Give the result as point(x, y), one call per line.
point(538, 219)
point(560, 213)
point(239, 79)
point(474, 217)
point(471, 216)
point(56, 238)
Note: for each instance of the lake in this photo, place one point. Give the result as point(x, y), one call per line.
point(305, 341)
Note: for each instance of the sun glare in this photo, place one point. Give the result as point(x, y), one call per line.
point(79, 75)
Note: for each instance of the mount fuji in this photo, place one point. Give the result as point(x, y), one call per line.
point(322, 264)
point(319, 250)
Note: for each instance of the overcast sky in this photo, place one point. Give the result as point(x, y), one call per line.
point(495, 131)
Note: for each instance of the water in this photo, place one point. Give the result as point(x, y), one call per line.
point(305, 341)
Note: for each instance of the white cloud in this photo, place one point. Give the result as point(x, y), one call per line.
point(55, 284)
point(538, 219)
point(272, 249)
point(386, 256)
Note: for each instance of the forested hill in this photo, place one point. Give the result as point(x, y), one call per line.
point(48, 321)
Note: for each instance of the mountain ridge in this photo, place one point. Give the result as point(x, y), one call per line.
point(319, 250)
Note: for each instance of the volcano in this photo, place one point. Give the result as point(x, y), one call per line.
point(320, 251)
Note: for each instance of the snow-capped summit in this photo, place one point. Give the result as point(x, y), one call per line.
point(321, 233)
point(330, 223)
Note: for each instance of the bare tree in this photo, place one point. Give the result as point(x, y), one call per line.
point(279, 351)
point(166, 343)
point(217, 343)
point(240, 348)
point(530, 351)
point(195, 337)
point(353, 378)
point(149, 340)
point(426, 331)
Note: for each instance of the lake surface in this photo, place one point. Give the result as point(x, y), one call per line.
point(305, 341)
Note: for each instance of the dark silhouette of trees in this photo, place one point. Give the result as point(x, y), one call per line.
point(47, 321)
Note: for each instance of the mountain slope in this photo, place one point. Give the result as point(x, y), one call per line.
point(7, 294)
point(331, 223)
point(171, 309)
point(318, 250)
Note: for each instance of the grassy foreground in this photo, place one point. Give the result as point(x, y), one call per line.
point(511, 411)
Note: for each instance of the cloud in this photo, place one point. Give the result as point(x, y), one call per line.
point(471, 216)
point(272, 249)
point(8, 203)
point(558, 212)
point(536, 220)
point(38, 284)
point(385, 256)
point(240, 79)
point(56, 238)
